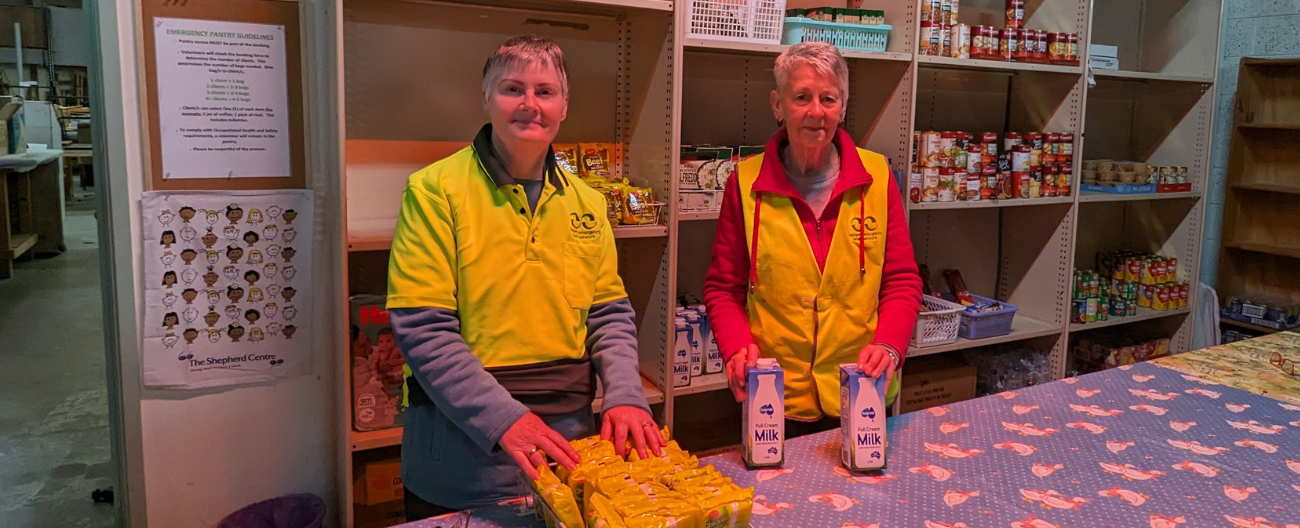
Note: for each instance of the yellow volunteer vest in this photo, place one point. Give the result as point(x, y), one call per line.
point(811, 320)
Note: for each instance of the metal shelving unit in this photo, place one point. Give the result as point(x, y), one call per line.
point(648, 85)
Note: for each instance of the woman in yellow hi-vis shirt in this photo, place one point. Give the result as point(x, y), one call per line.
point(503, 289)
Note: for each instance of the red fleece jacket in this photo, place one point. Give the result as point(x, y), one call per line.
point(727, 282)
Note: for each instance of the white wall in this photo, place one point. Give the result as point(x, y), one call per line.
point(194, 457)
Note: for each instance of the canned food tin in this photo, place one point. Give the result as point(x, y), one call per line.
point(947, 191)
point(1010, 140)
point(959, 184)
point(929, 184)
point(1050, 173)
point(1080, 286)
point(961, 45)
point(1041, 53)
point(1132, 269)
point(973, 191)
point(945, 35)
point(1094, 284)
point(1066, 150)
point(1103, 309)
point(947, 142)
point(1025, 51)
point(1145, 295)
point(1171, 268)
point(914, 185)
point(1181, 174)
point(1009, 46)
point(927, 35)
point(1158, 270)
point(1006, 185)
point(975, 158)
point(1022, 183)
point(1057, 45)
point(1063, 180)
point(1090, 310)
point(1184, 290)
point(1162, 298)
point(1132, 306)
point(945, 9)
point(1015, 14)
point(1020, 158)
point(989, 175)
point(931, 149)
point(1035, 141)
point(1004, 162)
point(1072, 53)
point(990, 141)
point(1079, 311)
point(1051, 147)
point(1035, 182)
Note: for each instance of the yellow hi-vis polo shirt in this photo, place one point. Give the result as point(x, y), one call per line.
point(521, 283)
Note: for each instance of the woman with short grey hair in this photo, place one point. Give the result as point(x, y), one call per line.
point(812, 262)
point(504, 311)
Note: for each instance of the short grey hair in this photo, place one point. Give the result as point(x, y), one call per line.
point(823, 57)
point(522, 51)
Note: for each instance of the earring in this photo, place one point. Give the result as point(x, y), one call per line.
point(780, 123)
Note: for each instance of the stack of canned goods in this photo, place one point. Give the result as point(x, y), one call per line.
point(1106, 172)
point(1274, 312)
point(960, 166)
point(1124, 282)
point(941, 35)
point(1115, 351)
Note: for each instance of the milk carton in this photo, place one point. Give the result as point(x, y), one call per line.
point(694, 321)
point(763, 415)
point(682, 354)
point(862, 419)
point(712, 356)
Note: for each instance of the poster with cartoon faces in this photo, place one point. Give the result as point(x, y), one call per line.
point(221, 307)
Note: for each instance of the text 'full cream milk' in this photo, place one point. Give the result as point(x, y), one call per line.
point(862, 419)
point(763, 415)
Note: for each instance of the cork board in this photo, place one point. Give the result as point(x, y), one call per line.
point(279, 12)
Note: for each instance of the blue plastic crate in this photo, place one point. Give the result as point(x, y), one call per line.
point(855, 37)
point(1121, 188)
point(986, 324)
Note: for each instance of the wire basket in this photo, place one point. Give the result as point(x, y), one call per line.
point(938, 323)
point(987, 324)
point(843, 36)
point(756, 21)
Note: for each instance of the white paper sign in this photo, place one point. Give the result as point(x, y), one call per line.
point(227, 287)
point(223, 99)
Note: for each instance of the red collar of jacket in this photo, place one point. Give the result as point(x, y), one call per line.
point(772, 177)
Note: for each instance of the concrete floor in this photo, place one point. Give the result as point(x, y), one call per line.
point(54, 438)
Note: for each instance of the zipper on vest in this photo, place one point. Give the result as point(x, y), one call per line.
point(812, 362)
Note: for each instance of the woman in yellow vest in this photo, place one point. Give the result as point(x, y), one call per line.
point(812, 263)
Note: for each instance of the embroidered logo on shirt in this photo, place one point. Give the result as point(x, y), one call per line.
point(583, 226)
point(869, 224)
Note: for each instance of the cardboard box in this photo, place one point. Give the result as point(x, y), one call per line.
point(11, 126)
point(1103, 57)
point(83, 133)
point(378, 482)
point(377, 372)
point(380, 515)
point(936, 380)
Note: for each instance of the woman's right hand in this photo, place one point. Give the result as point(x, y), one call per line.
point(738, 370)
point(529, 438)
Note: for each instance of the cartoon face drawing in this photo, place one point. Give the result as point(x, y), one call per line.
point(273, 328)
point(168, 258)
point(255, 295)
point(234, 293)
point(210, 277)
point(171, 320)
point(288, 292)
point(190, 335)
point(214, 296)
point(214, 335)
point(187, 213)
point(231, 272)
point(235, 331)
point(234, 213)
point(232, 311)
point(190, 314)
point(289, 331)
point(168, 238)
point(270, 269)
point(289, 313)
point(170, 339)
point(169, 279)
point(289, 272)
point(253, 316)
point(255, 335)
point(273, 250)
point(273, 211)
point(166, 216)
point(289, 234)
point(212, 217)
point(270, 231)
point(188, 255)
point(270, 309)
point(209, 239)
point(189, 275)
point(234, 253)
point(289, 216)
point(188, 234)
point(251, 238)
point(230, 232)
point(189, 295)
point(212, 317)
point(288, 253)
point(254, 216)
point(254, 257)
point(169, 299)
point(273, 290)
point(213, 256)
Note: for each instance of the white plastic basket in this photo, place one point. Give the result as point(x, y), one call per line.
point(938, 323)
point(756, 21)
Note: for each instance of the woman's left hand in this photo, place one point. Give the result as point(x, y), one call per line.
point(627, 421)
point(875, 360)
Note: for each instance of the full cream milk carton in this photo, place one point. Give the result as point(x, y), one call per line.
point(763, 415)
point(682, 354)
point(694, 322)
point(712, 355)
point(862, 419)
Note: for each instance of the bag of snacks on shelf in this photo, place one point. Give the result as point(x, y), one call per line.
point(597, 160)
point(558, 496)
point(639, 207)
point(566, 156)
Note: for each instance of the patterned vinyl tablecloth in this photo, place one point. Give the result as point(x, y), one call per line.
point(1133, 447)
point(1244, 365)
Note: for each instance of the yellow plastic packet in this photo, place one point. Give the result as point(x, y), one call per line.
point(596, 160)
point(601, 513)
point(588, 463)
point(681, 477)
point(651, 491)
point(728, 510)
point(667, 514)
point(558, 496)
point(566, 156)
point(639, 207)
point(608, 485)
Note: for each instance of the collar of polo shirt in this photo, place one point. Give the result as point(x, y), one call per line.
point(492, 165)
